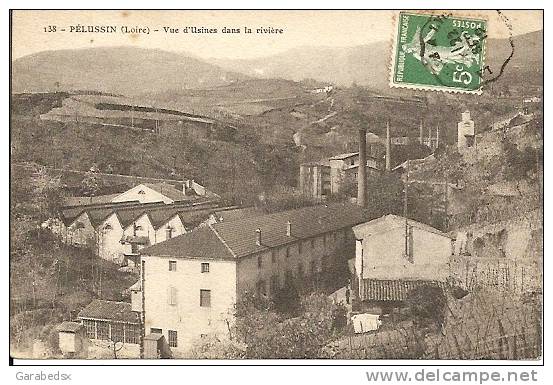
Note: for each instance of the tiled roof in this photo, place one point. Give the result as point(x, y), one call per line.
point(234, 214)
point(199, 243)
point(390, 222)
point(392, 290)
point(68, 326)
point(238, 238)
point(110, 311)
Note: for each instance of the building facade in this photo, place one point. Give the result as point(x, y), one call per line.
point(315, 179)
point(397, 250)
point(319, 180)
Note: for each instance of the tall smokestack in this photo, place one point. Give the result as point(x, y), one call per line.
point(388, 148)
point(362, 174)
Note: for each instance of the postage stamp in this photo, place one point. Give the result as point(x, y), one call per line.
point(440, 52)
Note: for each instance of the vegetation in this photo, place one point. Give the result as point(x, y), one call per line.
point(49, 281)
point(427, 304)
point(261, 331)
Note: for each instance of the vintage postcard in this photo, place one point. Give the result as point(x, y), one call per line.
point(283, 184)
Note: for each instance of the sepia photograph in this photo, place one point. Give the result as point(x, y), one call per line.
point(276, 184)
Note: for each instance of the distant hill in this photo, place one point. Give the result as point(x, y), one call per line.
point(368, 65)
point(122, 70)
point(136, 71)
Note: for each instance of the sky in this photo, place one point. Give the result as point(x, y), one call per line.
point(301, 28)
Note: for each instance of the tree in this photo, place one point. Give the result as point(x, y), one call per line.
point(46, 193)
point(518, 164)
point(92, 184)
point(272, 335)
point(427, 304)
point(260, 331)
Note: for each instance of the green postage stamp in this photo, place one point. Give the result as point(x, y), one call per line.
point(438, 52)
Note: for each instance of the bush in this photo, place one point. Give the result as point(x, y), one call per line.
point(427, 305)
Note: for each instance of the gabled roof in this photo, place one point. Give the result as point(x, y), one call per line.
point(162, 215)
point(391, 222)
point(170, 191)
point(235, 239)
point(98, 216)
point(199, 243)
point(110, 311)
point(128, 216)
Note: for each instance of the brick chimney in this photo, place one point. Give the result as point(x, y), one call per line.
point(362, 174)
point(258, 237)
point(288, 229)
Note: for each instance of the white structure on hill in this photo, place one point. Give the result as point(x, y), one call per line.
point(465, 132)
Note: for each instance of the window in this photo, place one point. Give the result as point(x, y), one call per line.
point(205, 298)
point(172, 334)
point(313, 267)
point(90, 327)
point(324, 240)
point(299, 247)
point(156, 330)
point(259, 262)
point(287, 252)
point(273, 256)
point(117, 332)
point(203, 336)
point(168, 232)
point(108, 227)
point(102, 330)
point(132, 333)
point(172, 295)
point(313, 243)
point(205, 267)
point(141, 192)
point(172, 265)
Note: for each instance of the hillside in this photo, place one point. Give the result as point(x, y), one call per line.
point(122, 70)
point(368, 65)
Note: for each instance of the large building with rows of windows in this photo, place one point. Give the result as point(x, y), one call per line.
point(190, 284)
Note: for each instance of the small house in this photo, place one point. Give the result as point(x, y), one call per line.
point(72, 339)
point(395, 255)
